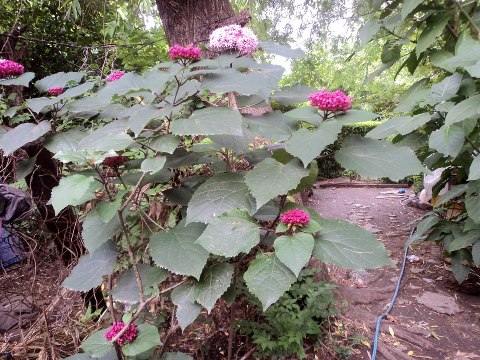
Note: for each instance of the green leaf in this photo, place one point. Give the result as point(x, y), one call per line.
point(41, 105)
point(306, 113)
point(96, 345)
point(279, 177)
point(126, 288)
point(106, 209)
point(282, 50)
point(417, 93)
point(461, 264)
point(22, 135)
point(95, 232)
point(230, 234)
point(463, 241)
point(294, 250)
point(435, 26)
point(271, 126)
point(374, 159)
point(347, 245)
point(474, 173)
point(472, 200)
point(390, 52)
point(368, 31)
point(140, 115)
point(147, 338)
point(268, 278)
point(77, 90)
point(291, 95)
point(112, 136)
point(89, 271)
point(307, 145)
point(422, 228)
point(64, 141)
point(187, 309)
point(453, 193)
point(476, 253)
point(210, 121)
point(447, 88)
point(22, 80)
point(165, 143)
point(176, 356)
point(176, 250)
point(354, 116)
point(73, 190)
point(447, 140)
point(153, 165)
point(58, 80)
point(408, 6)
point(25, 167)
point(214, 281)
point(219, 194)
point(466, 109)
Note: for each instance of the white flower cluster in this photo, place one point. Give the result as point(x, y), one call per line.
point(234, 37)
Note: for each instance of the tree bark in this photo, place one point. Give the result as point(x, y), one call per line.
point(191, 21)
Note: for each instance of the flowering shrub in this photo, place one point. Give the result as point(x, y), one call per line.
point(115, 76)
point(55, 91)
point(10, 68)
point(295, 217)
point(128, 336)
point(331, 101)
point(178, 52)
point(234, 37)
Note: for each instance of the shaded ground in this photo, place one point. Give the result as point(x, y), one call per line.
point(413, 328)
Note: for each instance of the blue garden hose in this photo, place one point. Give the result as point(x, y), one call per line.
point(394, 297)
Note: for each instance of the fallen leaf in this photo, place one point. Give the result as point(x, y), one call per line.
point(390, 330)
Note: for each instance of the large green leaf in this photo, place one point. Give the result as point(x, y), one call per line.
point(461, 264)
point(22, 135)
point(147, 338)
point(306, 113)
point(368, 31)
point(96, 345)
point(64, 141)
point(472, 200)
point(73, 190)
point(95, 232)
point(176, 250)
point(474, 173)
point(165, 143)
point(154, 164)
point(271, 126)
point(435, 26)
point(268, 278)
point(187, 309)
point(292, 95)
point(347, 245)
point(374, 159)
point(210, 121)
point(355, 116)
point(272, 47)
point(41, 104)
point(447, 88)
point(214, 281)
point(58, 80)
point(22, 80)
point(77, 90)
point(281, 178)
point(447, 140)
point(476, 253)
point(453, 193)
point(140, 115)
point(408, 6)
point(463, 241)
point(230, 234)
point(466, 109)
point(112, 136)
point(126, 287)
point(294, 250)
point(307, 145)
point(91, 268)
point(219, 194)
point(417, 93)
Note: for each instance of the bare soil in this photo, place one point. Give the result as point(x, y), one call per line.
point(413, 330)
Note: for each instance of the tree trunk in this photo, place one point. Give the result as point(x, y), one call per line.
point(191, 21)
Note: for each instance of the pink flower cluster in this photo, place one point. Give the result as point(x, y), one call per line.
point(128, 336)
point(331, 101)
point(10, 68)
point(55, 91)
point(295, 217)
point(234, 37)
point(115, 76)
point(178, 52)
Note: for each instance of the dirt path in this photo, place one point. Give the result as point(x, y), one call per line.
point(415, 329)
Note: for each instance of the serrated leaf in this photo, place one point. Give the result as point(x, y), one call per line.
point(461, 264)
point(58, 80)
point(64, 141)
point(112, 136)
point(176, 356)
point(399, 125)
point(89, 271)
point(447, 88)
point(219, 194)
point(106, 210)
point(147, 338)
point(374, 159)
point(96, 345)
point(472, 200)
point(291, 95)
point(447, 140)
point(354, 116)
point(474, 173)
point(466, 109)
point(282, 50)
point(434, 28)
point(187, 309)
point(22, 80)
point(347, 245)
point(307, 145)
point(368, 31)
point(210, 121)
point(126, 287)
point(294, 250)
point(230, 234)
point(271, 126)
point(417, 93)
point(281, 179)
point(73, 190)
point(95, 232)
point(153, 165)
point(176, 250)
point(408, 6)
point(214, 281)
point(22, 135)
point(268, 278)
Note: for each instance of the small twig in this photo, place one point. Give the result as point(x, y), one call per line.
point(248, 354)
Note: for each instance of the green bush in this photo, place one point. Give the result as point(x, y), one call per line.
point(296, 317)
point(328, 167)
